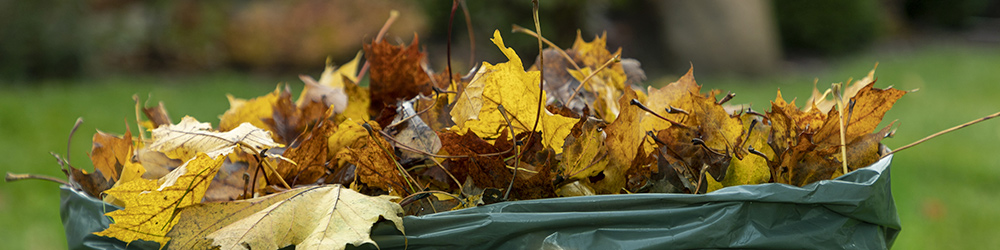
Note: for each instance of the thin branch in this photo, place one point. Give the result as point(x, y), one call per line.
point(138, 119)
point(994, 115)
point(839, 96)
point(449, 175)
point(69, 142)
point(405, 201)
point(538, 112)
point(614, 59)
point(393, 14)
point(472, 34)
point(410, 181)
point(643, 107)
point(17, 177)
point(562, 52)
point(454, 6)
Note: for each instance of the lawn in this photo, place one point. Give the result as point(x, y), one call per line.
point(947, 190)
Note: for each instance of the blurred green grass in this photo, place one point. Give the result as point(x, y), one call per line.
point(947, 190)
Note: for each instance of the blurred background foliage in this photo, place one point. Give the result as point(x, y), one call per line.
point(60, 60)
point(47, 38)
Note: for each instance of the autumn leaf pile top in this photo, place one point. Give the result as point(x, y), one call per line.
point(416, 142)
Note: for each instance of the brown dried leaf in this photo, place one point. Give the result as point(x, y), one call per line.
point(311, 156)
point(485, 171)
point(376, 167)
point(397, 73)
point(870, 106)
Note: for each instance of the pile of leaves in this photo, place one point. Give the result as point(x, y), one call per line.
point(319, 169)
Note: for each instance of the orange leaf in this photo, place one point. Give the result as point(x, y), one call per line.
point(375, 167)
point(623, 142)
point(110, 153)
point(310, 155)
point(397, 73)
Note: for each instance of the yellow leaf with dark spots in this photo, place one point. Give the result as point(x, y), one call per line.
point(150, 205)
point(509, 85)
point(313, 217)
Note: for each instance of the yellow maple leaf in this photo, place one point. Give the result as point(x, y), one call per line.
point(314, 217)
point(585, 156)
point(358, 100)
point(509, 85)
point(330, 89)
point(595, 53)
point(252, 111)
point(334, 77)
point(870, 106)
point(347, 135)
point(712, 184)
point(150, 205)
point(661, 99)
point(185, 139)
point(132, 170)
point(624, 140)
point(752, 168)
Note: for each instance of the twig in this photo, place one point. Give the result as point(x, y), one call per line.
point(839, 96)
point(69, 142)
point(701, 177)
point(994, 115)
point(643, 107)
point(410, 181)
point(472, 34)
point(267, 166)
point(562, 52)
point(449, 175)
point(393, 14)
point(17, 177)
point(614, 59)
point(138, 119)
point(538, 113)
point(454, 6)
point(405, 201)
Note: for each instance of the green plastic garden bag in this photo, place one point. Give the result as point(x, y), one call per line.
point(854, 211)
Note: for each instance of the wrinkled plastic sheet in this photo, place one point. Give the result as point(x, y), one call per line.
point(853, 211)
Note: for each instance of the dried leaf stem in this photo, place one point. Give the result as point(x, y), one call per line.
point(541, 82)
point(69, 142)
point(643, 107)
point(406, 200)
point(472, 34)
point(614, 59)
point(839, 96)
point(410, 181)
point(267, 165)
point(17, 177)
point(518, 28)
point(994, 115)
point(393, 14)
point(138, 121)
point(454, 6)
